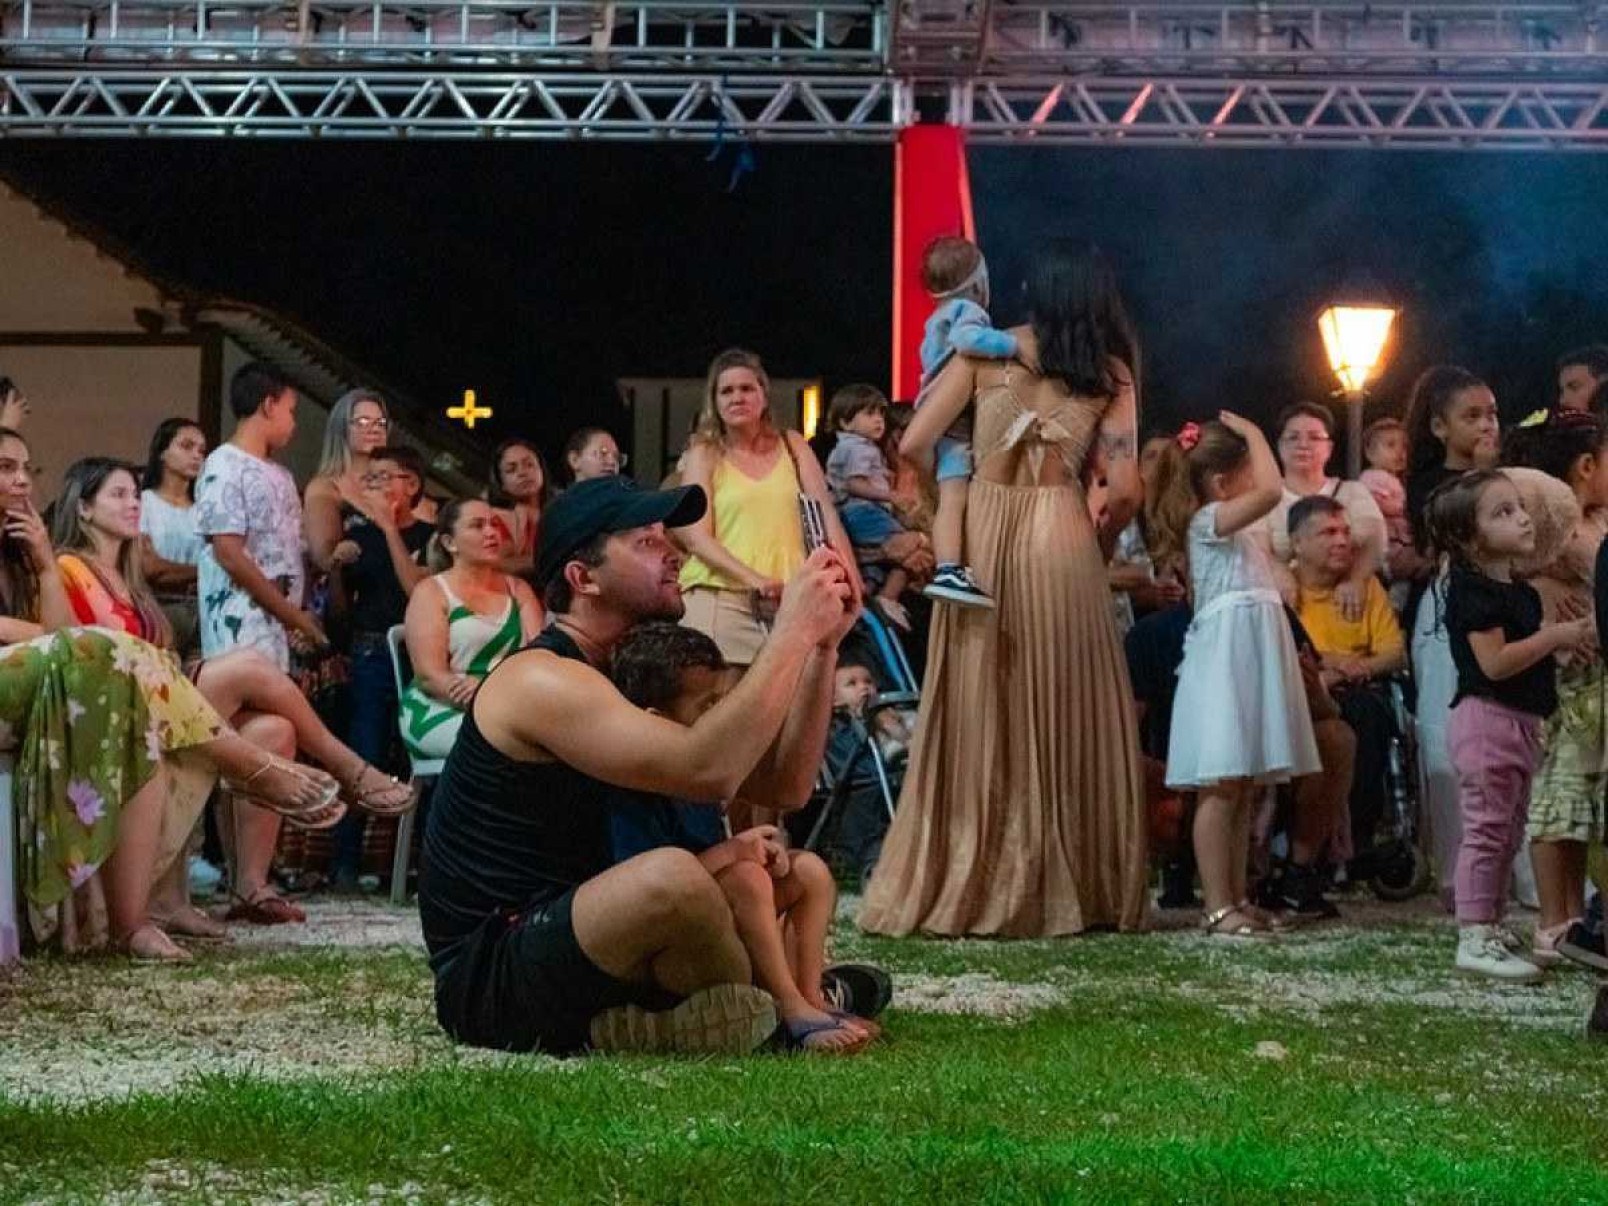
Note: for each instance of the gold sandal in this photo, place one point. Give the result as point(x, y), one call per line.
point(321, 814)
point(1212, 923)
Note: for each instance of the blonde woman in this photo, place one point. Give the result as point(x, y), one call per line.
point(751, 538)
point(338, 496)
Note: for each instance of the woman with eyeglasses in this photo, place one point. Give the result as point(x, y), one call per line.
point(358, 425)
point(1304, 441)
point(592, 452)
point(380, 562)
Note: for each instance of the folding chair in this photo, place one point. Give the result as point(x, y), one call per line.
point(422, 768)
point(831, 790)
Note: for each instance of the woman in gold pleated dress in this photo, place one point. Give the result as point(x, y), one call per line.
point(1022, 813)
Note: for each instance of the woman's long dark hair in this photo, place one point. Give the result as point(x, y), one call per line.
point(19, 581)
point(496, 495)
point(1431, 398)
point(1079, 320)
point(166, 432)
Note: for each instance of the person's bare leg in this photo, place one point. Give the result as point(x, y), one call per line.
point(256, 830)
point(171, 908)
point(750, 892)
point(949, 522)
point(660, 919)
point(247, 681)
point(1560, 881)
point(1244, 818)
point(1218, 843)
point(126, 873)
point(806, 897)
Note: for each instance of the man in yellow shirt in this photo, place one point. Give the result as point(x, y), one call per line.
point(1358, 655)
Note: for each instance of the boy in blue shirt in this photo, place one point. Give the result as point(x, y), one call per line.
point(954, 272)
point(782, 901)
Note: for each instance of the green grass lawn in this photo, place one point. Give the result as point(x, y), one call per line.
point(1342, 1064)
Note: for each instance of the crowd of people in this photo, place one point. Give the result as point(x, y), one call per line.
point(1190, 655)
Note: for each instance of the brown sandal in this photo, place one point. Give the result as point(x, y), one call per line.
point(392, 799)
point(265, 907)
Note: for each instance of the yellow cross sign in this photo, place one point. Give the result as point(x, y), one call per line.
point(469, 411)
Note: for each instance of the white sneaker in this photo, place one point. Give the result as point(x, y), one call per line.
point(1480, 950)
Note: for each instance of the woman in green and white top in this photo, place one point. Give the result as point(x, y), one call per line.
point(460, 623)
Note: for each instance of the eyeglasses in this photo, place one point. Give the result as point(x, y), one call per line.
point(611, 458)
point(1303, 441)
point(367, 424)
point(380, 477)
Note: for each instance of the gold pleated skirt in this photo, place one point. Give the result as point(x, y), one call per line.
point(1022, 813)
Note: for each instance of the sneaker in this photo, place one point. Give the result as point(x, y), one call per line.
point(1597, 1023)
point(1297, 891)
point(857, 988)
point(955, 584)
point(1584, 945)
point(1481, 951)
point(1544, 951)
point(728, 1019)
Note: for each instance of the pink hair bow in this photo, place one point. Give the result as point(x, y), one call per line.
point(1189, 436)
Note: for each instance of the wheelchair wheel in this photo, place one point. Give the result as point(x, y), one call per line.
point(1401, 873)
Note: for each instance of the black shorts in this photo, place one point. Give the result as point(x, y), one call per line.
point(522, 983)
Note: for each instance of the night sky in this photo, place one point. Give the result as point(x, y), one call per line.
point(538, 273)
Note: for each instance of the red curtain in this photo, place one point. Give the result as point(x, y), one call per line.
point(931, 198)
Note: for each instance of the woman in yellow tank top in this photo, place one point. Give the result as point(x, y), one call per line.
point(751, 539)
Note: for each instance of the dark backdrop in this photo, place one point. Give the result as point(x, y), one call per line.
point(539, 273)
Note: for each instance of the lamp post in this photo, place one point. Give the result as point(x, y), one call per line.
point(1354, 337)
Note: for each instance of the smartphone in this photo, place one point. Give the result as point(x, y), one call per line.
point(814, 522)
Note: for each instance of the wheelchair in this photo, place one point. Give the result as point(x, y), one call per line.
point(1391, 860)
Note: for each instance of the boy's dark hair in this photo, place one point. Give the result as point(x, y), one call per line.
point(252, 385)
point(409, 459)
point(1593, 358)
point(557, 596)
point(854, 400)
point(1313, 504)
point(947, 262)
point(1378, 428)
point(649, 662)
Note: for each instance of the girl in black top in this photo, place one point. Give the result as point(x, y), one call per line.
point(1506, 686)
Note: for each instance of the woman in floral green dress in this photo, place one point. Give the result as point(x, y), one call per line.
point(94, 719)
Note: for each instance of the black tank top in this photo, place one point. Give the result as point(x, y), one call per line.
point(503, 835)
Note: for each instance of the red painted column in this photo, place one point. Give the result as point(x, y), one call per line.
point(931, 198)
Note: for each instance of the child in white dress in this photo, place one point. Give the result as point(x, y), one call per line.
point(1240, 719)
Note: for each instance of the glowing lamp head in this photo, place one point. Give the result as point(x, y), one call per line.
point(1354, 337)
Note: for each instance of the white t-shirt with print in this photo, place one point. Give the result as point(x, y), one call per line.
point(241, 495)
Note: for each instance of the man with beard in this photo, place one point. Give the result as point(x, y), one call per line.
point(536, 942)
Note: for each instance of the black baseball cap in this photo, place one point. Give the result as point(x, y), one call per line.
point(608, 504)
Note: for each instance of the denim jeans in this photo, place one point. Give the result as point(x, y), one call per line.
point(371, 732)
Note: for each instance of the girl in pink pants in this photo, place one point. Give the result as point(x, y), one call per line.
point(1506, 687)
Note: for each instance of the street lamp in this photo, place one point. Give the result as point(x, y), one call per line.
point(1354, 337)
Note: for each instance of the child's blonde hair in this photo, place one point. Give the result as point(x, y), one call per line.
point(1182, 484)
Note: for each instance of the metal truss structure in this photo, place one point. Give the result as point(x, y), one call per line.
point(1446, 75)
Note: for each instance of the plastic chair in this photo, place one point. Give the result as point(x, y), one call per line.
point(422, 769)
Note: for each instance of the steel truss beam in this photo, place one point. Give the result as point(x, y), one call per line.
point(996, 38)
point(1449, 115)
point(830, 35)
point(291, 103)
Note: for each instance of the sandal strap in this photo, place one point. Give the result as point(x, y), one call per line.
point(1215, 918)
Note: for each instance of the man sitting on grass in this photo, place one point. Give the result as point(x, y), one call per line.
point(537, 940)
point(781, 901)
